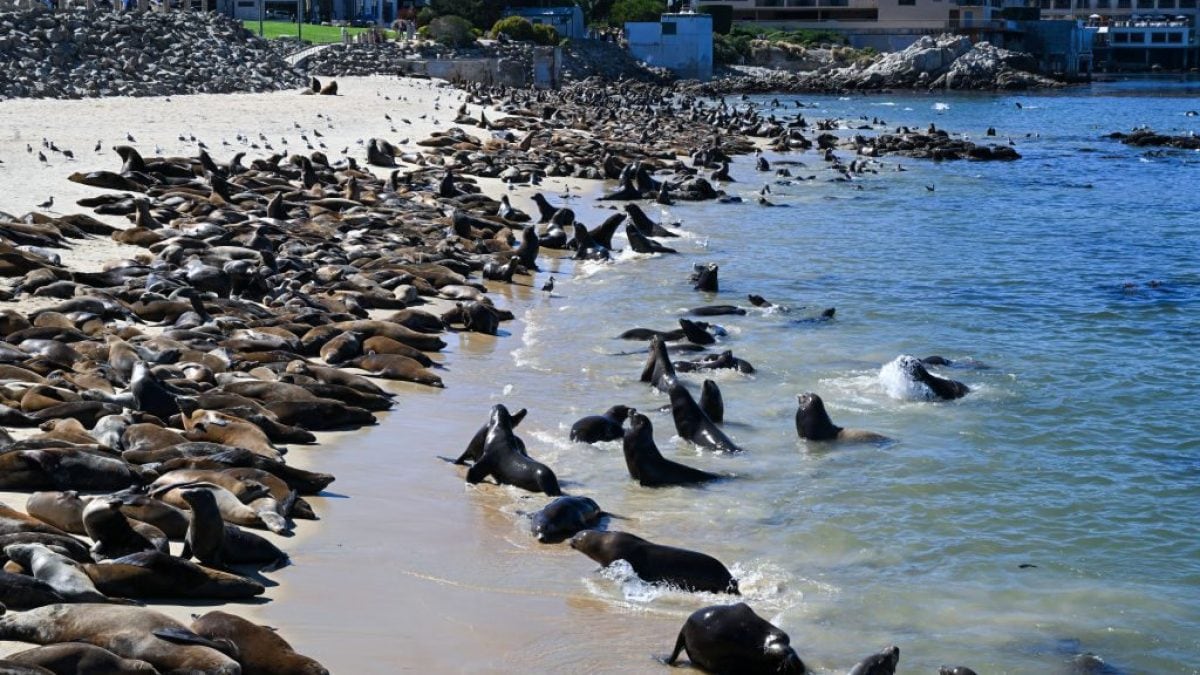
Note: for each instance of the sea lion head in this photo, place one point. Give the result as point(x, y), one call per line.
point(812, 421)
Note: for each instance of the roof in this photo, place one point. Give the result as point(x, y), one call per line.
point(543, 11)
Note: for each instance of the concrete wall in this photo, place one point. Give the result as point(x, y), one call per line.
point(682, 43)
point(504, 72)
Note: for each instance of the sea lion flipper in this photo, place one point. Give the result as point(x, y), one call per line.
point(680, 645)
point(183, 636)
point(186, 553)
point(480, 470)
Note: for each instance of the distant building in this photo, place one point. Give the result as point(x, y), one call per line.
point(568, 21)
point(1136, 33)
point(681, 43)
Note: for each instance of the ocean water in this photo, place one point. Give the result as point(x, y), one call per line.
point(1075, 452)
point(1053, 511)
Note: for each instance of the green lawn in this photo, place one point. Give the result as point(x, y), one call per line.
point(309, 32)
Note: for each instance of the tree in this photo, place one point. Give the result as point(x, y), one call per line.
point(481, 13)
point(636, 10)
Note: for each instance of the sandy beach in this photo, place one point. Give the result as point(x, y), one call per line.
point(382, 490)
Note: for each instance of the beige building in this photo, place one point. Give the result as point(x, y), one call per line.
point(895, 15)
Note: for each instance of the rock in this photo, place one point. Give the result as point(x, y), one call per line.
point(78, 54)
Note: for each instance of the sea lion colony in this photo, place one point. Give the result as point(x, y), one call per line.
point(165, 387)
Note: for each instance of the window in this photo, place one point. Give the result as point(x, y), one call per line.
point(1103, 4)
point(1187, 4)
point(908, 2)
point(1124, 4)
point(1145, 4)
point(1158, 38)
point(1139, 38)
point(1062, 4)
point(669, 28)
point(1166, 4)
point(1120, 37)
point(1176, 38)
point(1081, 4)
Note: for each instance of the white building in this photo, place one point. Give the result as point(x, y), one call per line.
point(681, 43)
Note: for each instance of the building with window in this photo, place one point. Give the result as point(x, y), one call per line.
point(568, 21)
point(1136, 33)
point(681, 43)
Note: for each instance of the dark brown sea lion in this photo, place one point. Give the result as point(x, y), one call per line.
point(154, 574)
point(599, 428)
point(655, 563)
point(647, 465)
point(80, 658)
point(111, 531)
point(693, 425)
point(813, 424)
point(260, 649)
point(563, 518)
point(504, 459)
point(881, 663)
point(131, 632)
point(733, 639)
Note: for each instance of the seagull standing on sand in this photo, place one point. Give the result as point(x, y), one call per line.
point(549, 286)
point(47, 204)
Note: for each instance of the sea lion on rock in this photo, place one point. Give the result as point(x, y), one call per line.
point(131, 632)
point(694, 425)
point(504, 459)
point(655, 563)
point(733, 639)
point(813, 424)
point(260, 650)
point(80, 658)
point(598, 428)
point(647, 465)
point(563, 518)
point(881, 663)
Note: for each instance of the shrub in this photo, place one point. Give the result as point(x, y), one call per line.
point(452, 31)
point(636, 10)
point(425, 16)
point(515, 27)
point(545, 35)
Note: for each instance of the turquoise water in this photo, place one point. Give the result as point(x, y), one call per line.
point(1076, 451)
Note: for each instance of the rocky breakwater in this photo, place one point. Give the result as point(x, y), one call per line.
point(81, 54)
point(944, 62)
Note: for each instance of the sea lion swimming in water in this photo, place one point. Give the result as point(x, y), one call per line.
point(813, 424)
point(655, 563)
point(733, 639)
point(599, 428)
point(646, 464)
point(911, 369)
point(693, 425)
point(882, 663)
point(564, 517)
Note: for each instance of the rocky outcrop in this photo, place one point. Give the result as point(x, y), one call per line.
point(1148, 138)
point(944, 62)
point(80, 54)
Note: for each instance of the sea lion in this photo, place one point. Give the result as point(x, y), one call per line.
point(65, 468)
point(154, 574)
point(8, 667)
point(218, 544)
point(397, 367)
point(640, 243)
point(704, 278)
point(938, 387)
point(658, 369)
point(693, 425)
point(724, 360)
point(504, 459)
point(215, 427)
point(955, 670)
point(64, 575)
point(131, 632)
point(62, 509)
point(20, 591)
point(813, 424)
point(63, 543)
point(717, 310)
point(695, 333)
point(733, 639)
point(881, 663)
point(563, 518)
point(260, 650)
point(655, 563)
point(111, 531)
point(603, 427)
point(474, 448)
point(80, 658)
point(647, 465)
point(645, 225)
point(712, 403)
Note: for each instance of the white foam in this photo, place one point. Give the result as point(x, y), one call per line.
point(898, 384)
point(941, 106)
